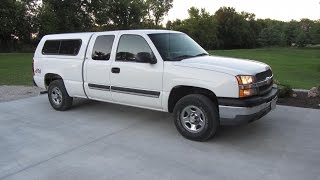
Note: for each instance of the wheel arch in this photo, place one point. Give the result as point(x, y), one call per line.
point(180, 91)
point(49, 77)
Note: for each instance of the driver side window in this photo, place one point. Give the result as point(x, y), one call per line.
point(133, 48)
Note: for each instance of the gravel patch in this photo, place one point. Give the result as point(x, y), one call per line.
point(9, 93)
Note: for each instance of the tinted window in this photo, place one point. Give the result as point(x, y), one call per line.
point(62, 47)
point(176, 46)
point(51, 47)
point(102, 47)
point(133, 48)
point(70, 47)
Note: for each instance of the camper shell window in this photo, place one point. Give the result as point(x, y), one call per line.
point(69, 47)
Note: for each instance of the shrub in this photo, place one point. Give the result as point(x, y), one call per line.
point(285, 91)
point(276, 82)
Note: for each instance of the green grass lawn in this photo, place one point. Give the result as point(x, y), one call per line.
point(298, 67)
point(15, 69)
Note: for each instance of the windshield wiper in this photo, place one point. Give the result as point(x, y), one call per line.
point(202, 54)
point(179, 58)
point(182, 57)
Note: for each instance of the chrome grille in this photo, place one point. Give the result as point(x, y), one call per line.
point(265, 79)
point(263, 75)
point(265, 88)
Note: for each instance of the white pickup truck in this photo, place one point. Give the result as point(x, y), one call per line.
point(155, 69)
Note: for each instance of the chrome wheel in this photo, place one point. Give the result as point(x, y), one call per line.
point(193, 119)
point(56, 96)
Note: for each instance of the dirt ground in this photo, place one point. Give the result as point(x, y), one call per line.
point(301, 100)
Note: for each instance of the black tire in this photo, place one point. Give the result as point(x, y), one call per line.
point(207, 109)
point(65, 100)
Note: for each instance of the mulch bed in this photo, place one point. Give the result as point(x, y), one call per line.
point(302, 100)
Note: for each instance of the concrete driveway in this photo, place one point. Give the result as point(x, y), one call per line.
point(98, 140)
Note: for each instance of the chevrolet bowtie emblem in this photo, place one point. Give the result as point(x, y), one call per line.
point(268, 79)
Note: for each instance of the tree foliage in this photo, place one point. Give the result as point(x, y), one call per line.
point(124, 14)
point(234, 29)
point(315, 33)
point(229, 29)
point(200, 26)
point(26, 21)
point(57, 16)
point(16, 23)
point(157, 9)
point(272, 33)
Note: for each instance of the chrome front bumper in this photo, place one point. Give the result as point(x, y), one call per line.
point(234, 115)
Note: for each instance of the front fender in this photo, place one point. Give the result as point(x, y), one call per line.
point(221, 84)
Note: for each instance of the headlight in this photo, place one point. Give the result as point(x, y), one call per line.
point(244, 80)
point(246, 87)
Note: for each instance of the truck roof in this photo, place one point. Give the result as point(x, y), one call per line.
point(88, 34)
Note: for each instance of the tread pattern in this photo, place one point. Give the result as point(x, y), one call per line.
point(211, 112)
point(66, 99)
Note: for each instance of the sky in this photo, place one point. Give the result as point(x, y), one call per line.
point(284, 10)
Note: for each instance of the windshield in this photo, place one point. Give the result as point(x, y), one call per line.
point(176, 46)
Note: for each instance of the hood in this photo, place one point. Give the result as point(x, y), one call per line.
point(232, 66)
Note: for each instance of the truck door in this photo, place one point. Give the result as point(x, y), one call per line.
point(133, 80)
point(97, 66)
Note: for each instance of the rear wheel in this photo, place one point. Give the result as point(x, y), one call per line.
point(58, 96)
point(196, 117)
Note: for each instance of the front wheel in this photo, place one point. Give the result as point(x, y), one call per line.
point(58, 96)
point(196, 117)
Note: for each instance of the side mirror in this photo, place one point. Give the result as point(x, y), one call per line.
point(145, 57)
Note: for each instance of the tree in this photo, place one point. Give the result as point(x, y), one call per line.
point(272, 33)
point(7, 9)
point(271, 36)
point(304, 32)
point(226, 29)
point(173, 24)
point(291, 30)
point(200, 25)
point(252, 31)
point(57, 16)
point(234, 29)
point(301, 39)
point(157, 9)
point(124, 14)
point(16, 24)
point(315, 33)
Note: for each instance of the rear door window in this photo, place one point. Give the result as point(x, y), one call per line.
point(102, 47)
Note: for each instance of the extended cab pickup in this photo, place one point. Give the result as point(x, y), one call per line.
point(155, 69)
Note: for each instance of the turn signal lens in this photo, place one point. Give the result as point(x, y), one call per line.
point(247, 92)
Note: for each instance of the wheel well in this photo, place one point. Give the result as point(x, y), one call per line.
point(50, 77)
point(179, 92)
